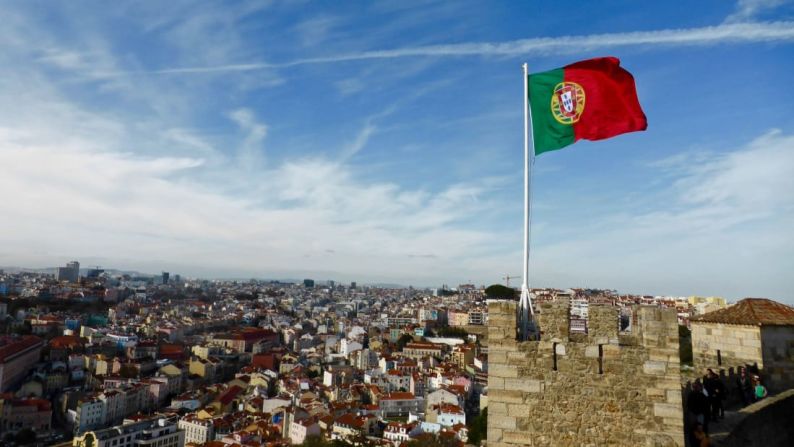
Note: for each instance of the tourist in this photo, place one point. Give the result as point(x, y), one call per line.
point(760, 390)
point(744, 386)
point(700, 438)
point(716, 390)
point(698, 405)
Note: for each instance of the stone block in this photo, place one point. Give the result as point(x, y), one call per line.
point(503, 422)
point(667, 410)
point(611, 351)
point(675, 422)
point(599, 340)
point(674, 397)
point(502, 371)
point(496, 383)
point(516, 437)
point(654, 367)
point(656, 393)
point(495, 357)
point(497, 408)
point(560, 349)
point(494, 435)
point(525, 385)
point(591, 352)
point(507, 396)
point(518, 410)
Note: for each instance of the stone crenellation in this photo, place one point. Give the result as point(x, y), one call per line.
point(608, 388)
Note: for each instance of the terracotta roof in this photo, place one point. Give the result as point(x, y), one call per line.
point(66, 341)
point(398, 396)
point(751, 312)
point(15, 346)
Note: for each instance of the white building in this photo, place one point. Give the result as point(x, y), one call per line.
point(89, 414)
point(300, 430)
point(446, 415)
point(155, 432)
point(197, 430)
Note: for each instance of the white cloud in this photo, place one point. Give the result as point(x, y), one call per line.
point(86, 197)
point(250, 155)
point(723, 226)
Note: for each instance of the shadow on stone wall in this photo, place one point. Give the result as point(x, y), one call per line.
point(766, 423)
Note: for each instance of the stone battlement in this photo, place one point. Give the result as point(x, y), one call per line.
point(605, 388)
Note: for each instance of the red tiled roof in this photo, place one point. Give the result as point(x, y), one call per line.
point(16, 346)
point(751, 312)
point(398, 396)
point(229, 394)
point(65, 341)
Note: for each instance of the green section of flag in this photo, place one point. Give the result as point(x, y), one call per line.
point(548, 134)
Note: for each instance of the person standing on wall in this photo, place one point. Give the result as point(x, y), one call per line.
point(744, 386)
point(698, 405)
point(760, 390)
point(716, 390)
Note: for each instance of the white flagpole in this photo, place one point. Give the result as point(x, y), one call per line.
point(525, 305)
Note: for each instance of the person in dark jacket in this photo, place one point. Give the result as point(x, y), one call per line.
point(716, 390)
point(698, 405)
point(744, 386)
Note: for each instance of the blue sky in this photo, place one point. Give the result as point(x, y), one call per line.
point(382, 142)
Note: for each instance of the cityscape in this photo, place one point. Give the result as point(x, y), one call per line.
point(91, 357)
point(396, 223)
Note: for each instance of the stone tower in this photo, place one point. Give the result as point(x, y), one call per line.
point(599, 388)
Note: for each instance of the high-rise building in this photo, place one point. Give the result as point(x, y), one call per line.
point(166, 275)
point(70, 273)
point(308, 283)
point(353, 285)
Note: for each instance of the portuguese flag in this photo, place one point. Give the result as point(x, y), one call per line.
point(588, 100)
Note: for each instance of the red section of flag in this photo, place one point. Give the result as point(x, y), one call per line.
point(611, 104)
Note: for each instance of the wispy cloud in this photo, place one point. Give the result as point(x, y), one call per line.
point(721, 215)
point(249, 155)
point(749, 9)
point(712, 35)
point(361, 140)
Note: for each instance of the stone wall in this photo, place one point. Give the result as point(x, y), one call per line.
point(765, 424)
point(607, 389)
point(778, 355)
point(722, 346)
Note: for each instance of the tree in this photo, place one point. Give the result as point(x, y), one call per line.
point(429, 440)
point(453, 331)
point(404, 340)
point(500, 292)
point(128, 372)
point(478, 428)
point(25, 436)
point(319, 441)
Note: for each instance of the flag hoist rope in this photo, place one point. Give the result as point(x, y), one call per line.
point(525, 305)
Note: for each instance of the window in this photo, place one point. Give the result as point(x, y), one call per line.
point(554, 356)
point(719, 358)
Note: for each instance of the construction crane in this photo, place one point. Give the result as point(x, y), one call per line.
point(507, 279)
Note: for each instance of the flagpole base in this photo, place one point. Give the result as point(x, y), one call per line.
point(525, 313)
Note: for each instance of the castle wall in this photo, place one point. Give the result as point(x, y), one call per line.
point(719, 346)
point(603, 389)
point(778, 354)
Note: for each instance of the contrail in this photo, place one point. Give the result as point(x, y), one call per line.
point(712, 35)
